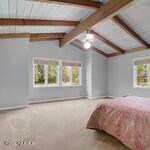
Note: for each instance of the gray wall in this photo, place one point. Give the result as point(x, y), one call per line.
point(99, 75)
point(120, 75)
point(49, 49)
point(89, 74)
point(96, 73)
point(14, 74)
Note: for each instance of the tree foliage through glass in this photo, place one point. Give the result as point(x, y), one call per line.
point(142, 79)
point(39, 74)
point(52, 74)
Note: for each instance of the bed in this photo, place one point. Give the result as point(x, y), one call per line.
point(127, 119)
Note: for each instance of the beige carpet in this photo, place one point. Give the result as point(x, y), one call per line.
point(53, 126)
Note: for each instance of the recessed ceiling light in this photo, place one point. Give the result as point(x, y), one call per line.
point(87, 44)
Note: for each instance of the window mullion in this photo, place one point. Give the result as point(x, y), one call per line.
point(135, 76)
point(71, 74)
point(148, 74)
point(60, 73)
point(80, 75)
point(34, 74)
point(46, 74)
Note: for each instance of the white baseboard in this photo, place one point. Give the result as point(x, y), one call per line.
point(54, 100)
point(93, 98)
point(67, 98)
point(99, 97)
point(12, 108)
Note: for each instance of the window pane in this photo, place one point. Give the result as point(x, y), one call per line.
point(52, 74)
point(142, 79)
point(66, 75)
point(76, 75)
point(142, 70)
point(148, 74)
point(39, 74)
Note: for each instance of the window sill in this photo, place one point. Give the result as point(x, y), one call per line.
point(71, 86)
point(142, 87)
point(36, 87)
point(44, 86)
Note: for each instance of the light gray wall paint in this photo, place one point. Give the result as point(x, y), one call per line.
point(50, 49)
point(99, 75)
point(14, 72)
point(89, 73)
point(120, 75)
point(96, 73)
point(16, 77)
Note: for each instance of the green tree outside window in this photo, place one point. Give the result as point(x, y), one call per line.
point(52, 74)
point(142, 79)
point(39, 74)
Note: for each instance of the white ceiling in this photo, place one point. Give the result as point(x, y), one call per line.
point(34, 29)
point(115, 34)
point(36, 10)
point(102, 46)
point(138, 18)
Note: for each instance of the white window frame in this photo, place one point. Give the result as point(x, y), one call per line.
point(135, 74)
point(80, 75)
point(59, 74)
point(46, 74)
point(57, 78)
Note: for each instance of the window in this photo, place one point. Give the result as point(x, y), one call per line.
point(142, 73)
point(39, 72)
point(66, 75)
point(76, 75)
point(71, 73)
point(50, 73)
point(45, 72)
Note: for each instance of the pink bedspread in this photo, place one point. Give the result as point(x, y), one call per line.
point(127, 119)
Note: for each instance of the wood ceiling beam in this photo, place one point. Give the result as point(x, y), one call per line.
point(58, 36)
point(138, 49)
point(106, 41)
point(36, 22)
point(43, 39)
point(128, 30)
point(80, 43)
point(80, 3)
point(33, 36)
point(107, 11)
point(133, 50)
point(114, 54)
point(45, 36)
point(14, 35)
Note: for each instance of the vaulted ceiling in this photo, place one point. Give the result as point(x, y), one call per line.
point(116, 30)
